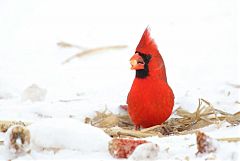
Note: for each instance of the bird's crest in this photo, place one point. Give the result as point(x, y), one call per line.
point(148, 46)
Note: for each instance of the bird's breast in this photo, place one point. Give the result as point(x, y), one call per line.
point(150, 102)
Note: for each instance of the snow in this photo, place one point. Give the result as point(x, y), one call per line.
point(182, 147)
point(197, 40)
point(68, 134)
point(147, 151)
point(34, 93)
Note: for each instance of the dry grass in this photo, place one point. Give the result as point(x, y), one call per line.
point(185, 122)
point(4, 125)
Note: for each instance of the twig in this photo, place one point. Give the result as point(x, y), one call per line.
point(198, 110)
point(123, 132)
point(151, 128)
point(237, 139)
point(233, 85)
point(205, 101)
point(63, 44)
point(222, 112)
point(94, 50)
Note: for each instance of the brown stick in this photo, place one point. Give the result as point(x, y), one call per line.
point(234, 85)
point(123, 132)
point(229, 139)
point(94, 50)
point(63, 44)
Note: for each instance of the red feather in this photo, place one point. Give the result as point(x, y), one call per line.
point(148, 46)
point(150, 100)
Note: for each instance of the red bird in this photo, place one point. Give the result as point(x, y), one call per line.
point(150, 100)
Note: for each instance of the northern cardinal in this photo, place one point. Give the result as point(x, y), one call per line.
point(150, 100)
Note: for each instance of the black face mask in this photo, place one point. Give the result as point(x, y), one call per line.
point(143, 73)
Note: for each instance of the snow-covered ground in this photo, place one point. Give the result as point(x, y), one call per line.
point(197, 40)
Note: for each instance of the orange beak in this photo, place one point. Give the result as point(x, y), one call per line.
point(137, 62)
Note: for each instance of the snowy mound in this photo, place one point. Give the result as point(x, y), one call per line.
point(67, 134)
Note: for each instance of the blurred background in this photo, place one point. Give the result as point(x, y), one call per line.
point(197, 39)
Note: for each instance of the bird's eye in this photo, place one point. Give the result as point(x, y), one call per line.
point(149, 57)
